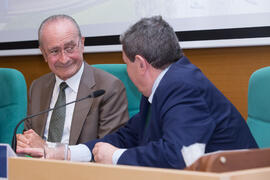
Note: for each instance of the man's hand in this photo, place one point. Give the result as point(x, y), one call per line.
point(34, 152)
point(30, 139)
point(103, 152)
point(51, 151)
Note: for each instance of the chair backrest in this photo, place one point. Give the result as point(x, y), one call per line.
point(13, 102)
point(234, 160)
point(259, 106)
point(133, 95)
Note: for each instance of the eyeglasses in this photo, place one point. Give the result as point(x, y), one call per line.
point(69, 49)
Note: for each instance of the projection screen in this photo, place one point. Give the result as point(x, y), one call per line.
point(198, 23)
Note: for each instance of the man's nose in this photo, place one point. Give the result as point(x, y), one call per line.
point(63, 57)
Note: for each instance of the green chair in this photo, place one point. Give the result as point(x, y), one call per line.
point(13, 102)
point(259, 106)
point(133, 95)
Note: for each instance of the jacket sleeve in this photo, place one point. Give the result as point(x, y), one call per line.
point(125, 137)
point(183, 119)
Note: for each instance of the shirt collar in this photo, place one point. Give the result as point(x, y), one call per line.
point(156, 83)
point(72, 82)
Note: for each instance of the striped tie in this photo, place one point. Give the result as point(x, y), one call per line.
point(58, 116)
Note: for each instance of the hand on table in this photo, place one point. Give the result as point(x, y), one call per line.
point(103, 152)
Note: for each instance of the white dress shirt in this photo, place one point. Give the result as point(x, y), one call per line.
point(71, 95)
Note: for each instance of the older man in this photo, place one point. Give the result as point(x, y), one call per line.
point(62, 46)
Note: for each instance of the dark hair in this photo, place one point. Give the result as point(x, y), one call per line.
point(56, 18)
point(154, 39)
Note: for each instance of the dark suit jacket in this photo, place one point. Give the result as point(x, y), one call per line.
point(92, 118)
point(186, 109)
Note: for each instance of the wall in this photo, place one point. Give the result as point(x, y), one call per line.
point(228, 68)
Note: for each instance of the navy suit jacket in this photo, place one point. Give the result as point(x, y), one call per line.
point(186, 109)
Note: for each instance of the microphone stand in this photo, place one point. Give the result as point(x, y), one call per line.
point(14, 139)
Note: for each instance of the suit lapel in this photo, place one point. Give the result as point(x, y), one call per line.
point(45, 102)
point(82, 108)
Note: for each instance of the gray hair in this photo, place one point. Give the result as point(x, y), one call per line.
point(56, 18)
point(154, 39)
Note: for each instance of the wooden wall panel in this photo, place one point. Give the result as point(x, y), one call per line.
point(228, 68)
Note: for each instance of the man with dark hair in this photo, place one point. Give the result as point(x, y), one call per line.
point(182, 114)
point(62, 46)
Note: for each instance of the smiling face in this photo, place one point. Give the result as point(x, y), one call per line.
point(62, 48)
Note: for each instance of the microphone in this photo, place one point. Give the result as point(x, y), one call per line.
point(94, 94)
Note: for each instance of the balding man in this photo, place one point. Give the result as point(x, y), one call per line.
point(62, 46)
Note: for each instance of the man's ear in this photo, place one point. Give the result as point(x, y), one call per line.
point(141, 63)
point(43, 53)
